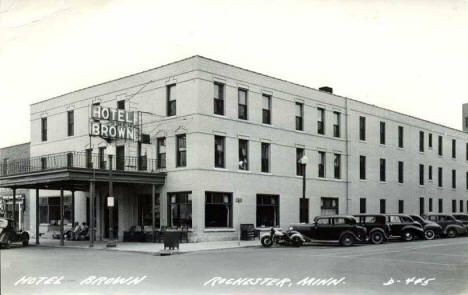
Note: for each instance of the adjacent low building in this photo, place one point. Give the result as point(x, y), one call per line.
point(218, 146)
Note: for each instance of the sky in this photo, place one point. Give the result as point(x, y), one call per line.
point(407, 56)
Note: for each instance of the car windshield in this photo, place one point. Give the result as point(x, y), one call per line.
point(3, 223)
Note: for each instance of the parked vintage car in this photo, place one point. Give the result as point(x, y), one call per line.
point(404, 227)
point(463, 217)
point(9, 235)
point(450, 226)
point(431, 229)
point(376, 225)
point(343, 229)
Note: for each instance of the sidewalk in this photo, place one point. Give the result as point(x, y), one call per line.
point(150, 248)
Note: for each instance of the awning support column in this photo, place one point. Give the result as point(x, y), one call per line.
point(73, 208)
point(62, 243)
point(153, 198)
point(37, 216)
point(14, 207)
point(91, 214)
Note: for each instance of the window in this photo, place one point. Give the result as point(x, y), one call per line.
point(362, 128)
point(266, 109)
point(461, 205)
point(329, 206)
point(430, 204)
point(383, 176)
point(243, 154)
point(400, 136)
point(89, 159)
point(49, 210)
point(440, 146)
point(161, 152)
point(299, 167)
point(179, 209)
point(382, 206)
point(171, 100)
point(70, 123)
point(265, 157)
point(145, 213)
point(267, 210)
point(121, 104)
point(454, 206)
point(242, 102)
point(337, 124)
point(430, 173)
point(181, 147)
point(321, 121)
point(430, 140)
point(218, 209)
point(304, 210)
point(102, 161)
point(44, 129)
point(219, 151)
point(362, 167)
point(454, 148)
point(401, 206)
point(421, 206)
point(323, 221)
point(440, 176)
point(43, 163)
point(321, 165)
point(362, 205)
point(69, 160)
point(218, 101)
point(382, 132)
point(400, 172)
point(454, 178)
point(299, 116)
point(441, 205)
point(421, 141)
point(337, 166)
point(421, 174)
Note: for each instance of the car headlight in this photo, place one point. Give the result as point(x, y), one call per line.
point(291, 228)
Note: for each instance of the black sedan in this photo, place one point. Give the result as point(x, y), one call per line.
point(9, 234)
point(431, 229)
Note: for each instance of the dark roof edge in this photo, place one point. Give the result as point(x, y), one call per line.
point(10, 146)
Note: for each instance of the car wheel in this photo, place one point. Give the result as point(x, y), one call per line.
point(347, 240)
point(297, 242)
point(451, 233)
point(8, 243)
point(429, 234)
point(267, 242)
point(377, 237)
point(407, 236)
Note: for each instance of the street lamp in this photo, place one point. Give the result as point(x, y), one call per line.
point(303, 162)
point(110, 151)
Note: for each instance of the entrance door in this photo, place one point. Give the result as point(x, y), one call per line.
point(120, 157)
point(106, 218)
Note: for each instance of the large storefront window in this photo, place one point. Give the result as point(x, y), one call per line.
point(49, 210)
point(218, 209)
point(329, 206)
point(180, 209)
point(267, 210)
point(145, 214)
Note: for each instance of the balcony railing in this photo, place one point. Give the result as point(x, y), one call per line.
point(77, 160)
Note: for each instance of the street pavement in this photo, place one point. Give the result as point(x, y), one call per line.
point(420, 267)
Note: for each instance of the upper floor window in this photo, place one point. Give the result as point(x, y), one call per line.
point(44, 129)
point(321, 165)
point(243, 154)
point(161, 152)
point(440, 146)
point(219, 151)
point(440, 177)
point(321, 121)
point(299, 116)
point(454, 178)
point(265, 157)
point(383, 176)
point(266, 109)
point(337, 166)
point(421, 174)
point(218, 102)
point(181, 147)
point(362, 128)
point(421, 141)
point(242, 101)
point(171, 100)
point(382, 133)
point(299, 166)
point(362, 167)
point(430, 172)
point(400, 172)
point(337, 124)
point(400, 136)
point(121, 104)
point(454, 148)
point(70, 123)
point(430, 140)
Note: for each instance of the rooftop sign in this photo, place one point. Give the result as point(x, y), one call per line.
point(113, 123)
